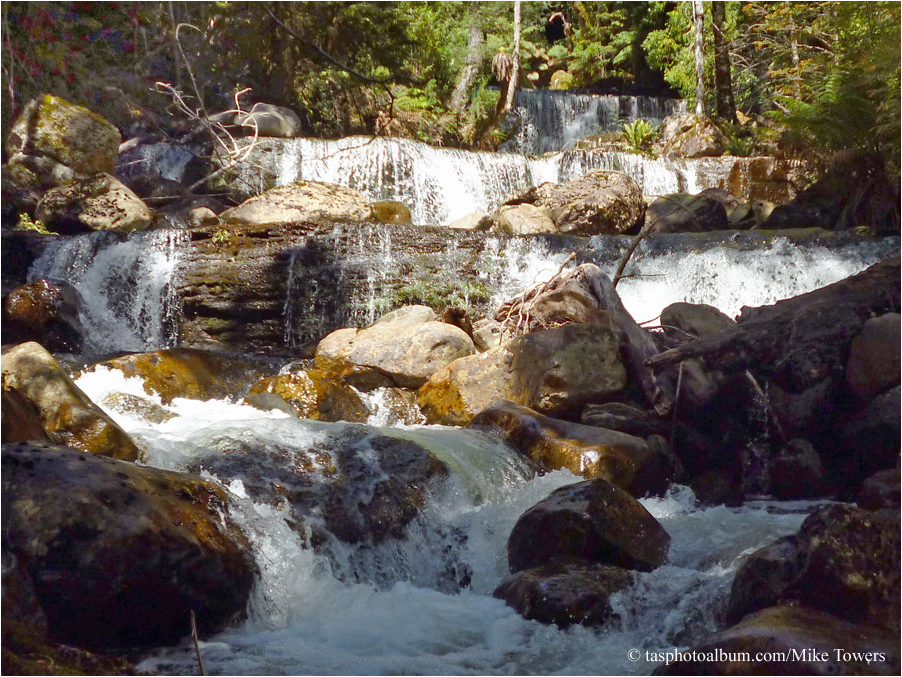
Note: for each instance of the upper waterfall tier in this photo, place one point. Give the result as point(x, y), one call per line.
point(543, 120)
point(443, 184)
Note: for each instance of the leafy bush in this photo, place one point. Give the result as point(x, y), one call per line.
point(639, 135)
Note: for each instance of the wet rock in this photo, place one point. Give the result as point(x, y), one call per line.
point(843, 561)
point(52, 128)
point(472, 221)
point(717, 487)
point(393, 406)
point(623, 460)
point(815, 643)
point(523, 219)
point(137, 406)
point(119, 555)
point(599, 203)
point(189, 373)
point(403, 348)
point(390, 211)
point(591, 520)
point(687, 135)
point(881, 491)
point(564, 592)
point(313, 394)
point(352, 481)
point(683, 213)
point(41, 403)
point(874, 357)
point(693, 320)
point(623, 418)
point(46, 312)
point(300, 201)
point(797, 472)
point(765, 182)
point(555, 371)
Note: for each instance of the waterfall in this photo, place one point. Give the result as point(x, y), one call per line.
point(545, 120)
point(126, 286)
point(385, 609)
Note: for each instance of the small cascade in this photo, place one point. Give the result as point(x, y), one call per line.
point(126, 285)
point(548, 121)
point(440, 185)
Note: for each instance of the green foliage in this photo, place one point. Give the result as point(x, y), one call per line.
point(441, 294)
point(639, 135)
point(25, 222)
point(221, 237)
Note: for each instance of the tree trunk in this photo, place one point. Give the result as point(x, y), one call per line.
point(470, 70)
point(723, 79)
point(698, 16)
point(515, 56)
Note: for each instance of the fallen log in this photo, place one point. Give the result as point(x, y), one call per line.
point(799, 341)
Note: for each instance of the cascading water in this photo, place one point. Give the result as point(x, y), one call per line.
point(546, 120)
point(440, 185)
point(126, 286)
point(387, 609)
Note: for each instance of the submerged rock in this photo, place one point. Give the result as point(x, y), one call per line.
point(621, 459)
point(120, 555)
point(843, 561)
point(403, 348)
point(42, 404)
point(564, 592)
point(591, 520)
point(813, 642)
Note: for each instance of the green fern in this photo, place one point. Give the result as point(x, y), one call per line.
point(639, 135)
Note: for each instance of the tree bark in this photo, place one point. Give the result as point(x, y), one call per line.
point(470, 70)
point(723, 79)
point(698, 16)
point(515, 56)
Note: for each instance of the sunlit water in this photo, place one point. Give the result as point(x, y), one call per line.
point(305, 620)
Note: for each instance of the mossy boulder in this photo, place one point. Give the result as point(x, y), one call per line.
point(190, 373)
point(690, 136)
point(41, 403)
point(46, 312)
point(120, 555)
point(71, 135)
point(390, 211)
point(591, 520)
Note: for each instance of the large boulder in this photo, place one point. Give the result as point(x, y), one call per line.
point(684, 213)
point(310, 393)
point(301, 201)
point(523, 219)
point(41, 403)
point(44, 311)
point(403, 348)
point(881, 491)
point(591, 520)
point(99, 202)
point(843, 561)
point(190, 373)
point(554, 371)
point(693, 320)
point(564, 592)
point(266, 119)
point(687, 135)
point(120, 555)
point(869, 439)
point(600, 202)
point(797, 472)
point(52, 128)
point(791, 640)
point(874, 357)
point(623, 460)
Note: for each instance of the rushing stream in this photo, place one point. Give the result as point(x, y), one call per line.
point(392, 608)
